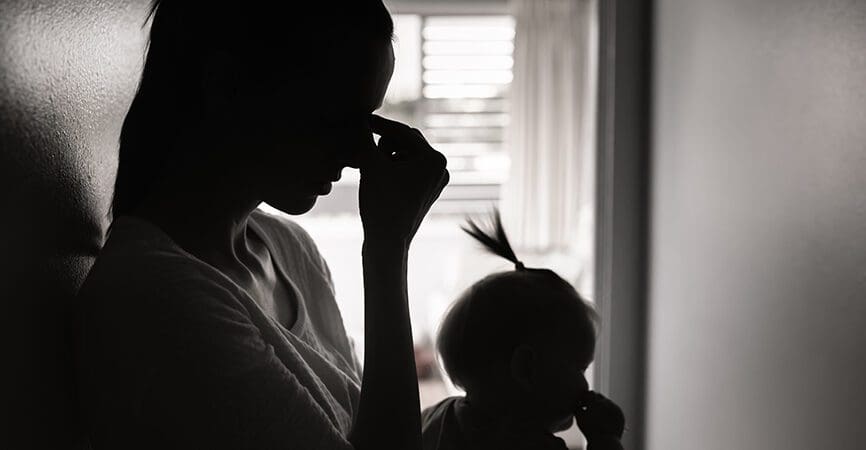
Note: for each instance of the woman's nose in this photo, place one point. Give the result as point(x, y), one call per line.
point(353, 158)
point(355, 151)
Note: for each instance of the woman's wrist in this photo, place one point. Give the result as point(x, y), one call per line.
point(385, 265)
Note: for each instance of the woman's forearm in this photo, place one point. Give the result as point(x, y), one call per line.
point(389, 411)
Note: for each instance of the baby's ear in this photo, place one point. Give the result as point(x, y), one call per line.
point(523, 367)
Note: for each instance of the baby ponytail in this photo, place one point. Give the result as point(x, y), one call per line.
point(494, 239)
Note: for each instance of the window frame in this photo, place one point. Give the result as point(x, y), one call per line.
point(623, 207)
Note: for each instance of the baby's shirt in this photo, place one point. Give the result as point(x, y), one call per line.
point(453, 425)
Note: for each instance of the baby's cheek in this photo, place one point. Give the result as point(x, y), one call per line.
point(582, 384)
point(573, 385)
point(562, 393)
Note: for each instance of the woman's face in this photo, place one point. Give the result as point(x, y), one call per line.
point(305, 135)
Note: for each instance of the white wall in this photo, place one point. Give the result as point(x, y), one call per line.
point(758, 241)
point(68, 72)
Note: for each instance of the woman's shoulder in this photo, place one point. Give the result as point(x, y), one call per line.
point(139, 264)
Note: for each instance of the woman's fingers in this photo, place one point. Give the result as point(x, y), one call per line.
point(398, 140)
point(444, 178)
point(386, 127)
point(401, 183)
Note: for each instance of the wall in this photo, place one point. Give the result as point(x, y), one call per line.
point(68, 71)
point(758, 226)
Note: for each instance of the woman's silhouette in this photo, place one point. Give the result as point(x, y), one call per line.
point(208, 324)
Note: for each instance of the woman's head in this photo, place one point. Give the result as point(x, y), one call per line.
point(526, 332)
point(284, 92)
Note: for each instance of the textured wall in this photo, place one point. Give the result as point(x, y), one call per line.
point(758, 243)
point(68, 70)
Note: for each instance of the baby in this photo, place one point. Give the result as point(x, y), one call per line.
point(518, 343)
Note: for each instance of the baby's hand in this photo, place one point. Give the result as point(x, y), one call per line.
point(598, 418)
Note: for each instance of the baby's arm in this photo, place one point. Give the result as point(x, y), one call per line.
point(604, 443)
point(601, 421)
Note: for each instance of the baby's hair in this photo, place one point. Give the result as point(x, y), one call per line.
point(503, 310)
point(496, 241)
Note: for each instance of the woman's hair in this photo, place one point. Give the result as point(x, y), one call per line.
point(290, 41)
point(504, 310)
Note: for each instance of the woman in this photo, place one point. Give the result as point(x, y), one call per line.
point(208, 324)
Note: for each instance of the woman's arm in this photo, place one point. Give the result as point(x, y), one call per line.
point(399, 183)
point(389, 411)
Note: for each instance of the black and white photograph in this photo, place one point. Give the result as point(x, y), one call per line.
point(433, 225)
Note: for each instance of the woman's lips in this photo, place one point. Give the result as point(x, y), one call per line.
point(325, 186)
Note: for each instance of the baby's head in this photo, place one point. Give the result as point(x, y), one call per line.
point(519, 340)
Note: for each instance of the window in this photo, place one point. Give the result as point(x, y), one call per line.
point(452, 80)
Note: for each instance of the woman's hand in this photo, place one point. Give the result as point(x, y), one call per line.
point(399, 182)
point(600, 420)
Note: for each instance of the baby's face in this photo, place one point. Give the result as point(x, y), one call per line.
point(561, 380)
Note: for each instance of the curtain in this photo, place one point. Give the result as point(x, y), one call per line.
point(548, 201)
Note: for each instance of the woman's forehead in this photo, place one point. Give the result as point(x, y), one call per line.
point(341, 86)
point(360, 83)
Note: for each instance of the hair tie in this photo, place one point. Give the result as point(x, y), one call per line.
point(519, 266)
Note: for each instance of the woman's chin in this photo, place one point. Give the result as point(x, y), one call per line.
point(294, 206)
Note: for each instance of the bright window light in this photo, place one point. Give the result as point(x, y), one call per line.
point(468, 62)
point(467, 120)
point(406, 81)
point(462, 91)
point(468, 76)
point(469, 48)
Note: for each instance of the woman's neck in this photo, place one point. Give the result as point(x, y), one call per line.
point(204, 211)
